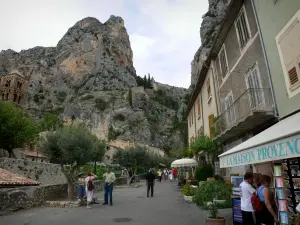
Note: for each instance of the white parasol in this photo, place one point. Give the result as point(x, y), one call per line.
point(186, 162)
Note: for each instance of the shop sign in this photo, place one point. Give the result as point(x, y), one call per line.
point(281, 149)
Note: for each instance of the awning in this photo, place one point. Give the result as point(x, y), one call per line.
point(186, 162)
point(281, 141)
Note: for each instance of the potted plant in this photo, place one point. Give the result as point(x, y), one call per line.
point(188, 191)
point(209, 196)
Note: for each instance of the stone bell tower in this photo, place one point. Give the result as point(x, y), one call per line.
point(12, 87)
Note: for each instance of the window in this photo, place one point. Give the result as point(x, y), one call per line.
point(210, 122)
point(242, 29)
point(288, 42)
point(192, 117)
point(254, 86)
point(229, 109)
point(223, 62)
point(208, 88)
point(198, 108)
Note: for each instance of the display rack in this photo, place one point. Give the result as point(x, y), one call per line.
point(281, 194)
point(291, 175)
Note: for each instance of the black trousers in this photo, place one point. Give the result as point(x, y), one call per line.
point(150, 185)
point(247, 218)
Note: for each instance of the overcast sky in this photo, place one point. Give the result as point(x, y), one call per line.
point(164, 34)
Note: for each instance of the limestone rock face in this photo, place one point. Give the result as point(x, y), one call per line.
point(86, 78)
point(209, 27)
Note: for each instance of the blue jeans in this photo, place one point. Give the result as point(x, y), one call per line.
point(108, 189)
point(80, 191)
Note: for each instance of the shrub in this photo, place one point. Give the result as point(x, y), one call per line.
point(188, 190)
point(101, 104)
point(204, 172)
point(61, 96)
point(208, 192)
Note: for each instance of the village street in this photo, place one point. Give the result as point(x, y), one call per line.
point(130, 204)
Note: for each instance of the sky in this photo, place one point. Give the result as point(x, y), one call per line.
point(164, 34)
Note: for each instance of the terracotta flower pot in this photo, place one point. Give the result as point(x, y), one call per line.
point(218, 221)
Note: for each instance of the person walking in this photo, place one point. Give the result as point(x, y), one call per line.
point(175, 173)
point(267, 215)
point(159, 174)
point(247, 191)
point(108, 186)
point(171, 175)
point(150, 179)
point(89, 188)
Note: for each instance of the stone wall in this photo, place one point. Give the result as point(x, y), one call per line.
point(13, 199)
point(46, 173)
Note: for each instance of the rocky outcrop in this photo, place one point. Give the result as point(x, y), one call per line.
point(209, 28)
point(89, 78)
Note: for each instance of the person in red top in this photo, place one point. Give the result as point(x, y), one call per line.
point(175, 173)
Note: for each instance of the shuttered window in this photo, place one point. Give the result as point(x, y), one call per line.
point(208, 88)
point(223, 62)
point(229, 109)
point(210, 122)
point(289, 44)
point(198, 108)
point(242, 29)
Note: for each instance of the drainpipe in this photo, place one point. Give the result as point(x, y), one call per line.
point(213, 79)
point(265, 58)
point(202, 116)
point(195, 116)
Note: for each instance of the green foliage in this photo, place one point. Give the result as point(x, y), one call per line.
point(206, 144)
point(61, 96)
point(100, 170)
point(204, 172)
point(188, 190)
point(112, 134)
point(101, 104)
point(130, 97)
point(186, 153)
point(210, 191)
point(16, 127)
point(139, 159)
point(144, 82)
point(73, 145)
point(161, 97)
point(49, 122)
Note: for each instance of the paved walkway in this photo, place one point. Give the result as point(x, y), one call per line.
point(166, 207)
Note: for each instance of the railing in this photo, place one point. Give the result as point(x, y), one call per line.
point(252, 100)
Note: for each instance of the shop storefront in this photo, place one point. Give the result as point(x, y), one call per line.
point(274, 152)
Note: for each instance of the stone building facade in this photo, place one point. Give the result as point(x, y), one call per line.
point(12, 87)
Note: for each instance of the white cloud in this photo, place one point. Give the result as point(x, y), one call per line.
point(164, 34)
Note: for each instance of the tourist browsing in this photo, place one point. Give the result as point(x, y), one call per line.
point(247, 191)
point(108, 186)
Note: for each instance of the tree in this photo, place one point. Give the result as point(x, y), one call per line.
point(75, 146)
point(149, 81)
point(206, 144)
point(130, 97)
point(49, 122)
point(145, 82)
point(16, 127)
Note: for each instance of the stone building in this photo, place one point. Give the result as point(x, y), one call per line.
point(12, 87)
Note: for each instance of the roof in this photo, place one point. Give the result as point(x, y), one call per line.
point(34, 154)
point(274, 139)
point(231, 13)
point(8, 178)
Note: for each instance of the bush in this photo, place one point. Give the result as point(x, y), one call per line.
point(210, 191)
point(204, 172)
point(100, 104)
point(61, 96)
point(188, 190)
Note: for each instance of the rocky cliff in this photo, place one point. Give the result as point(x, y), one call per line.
point(89, 78)
point(209, 28)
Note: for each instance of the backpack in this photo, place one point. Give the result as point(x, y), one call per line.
point(255, 201)
point(90, 185)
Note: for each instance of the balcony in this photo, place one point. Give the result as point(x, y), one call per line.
point(251, 109)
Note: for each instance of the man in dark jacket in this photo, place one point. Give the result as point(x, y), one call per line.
point(150, 178)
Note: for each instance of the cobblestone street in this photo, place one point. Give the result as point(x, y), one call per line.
point(131, 206)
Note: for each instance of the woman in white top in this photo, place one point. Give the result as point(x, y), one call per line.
point(89, 188)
